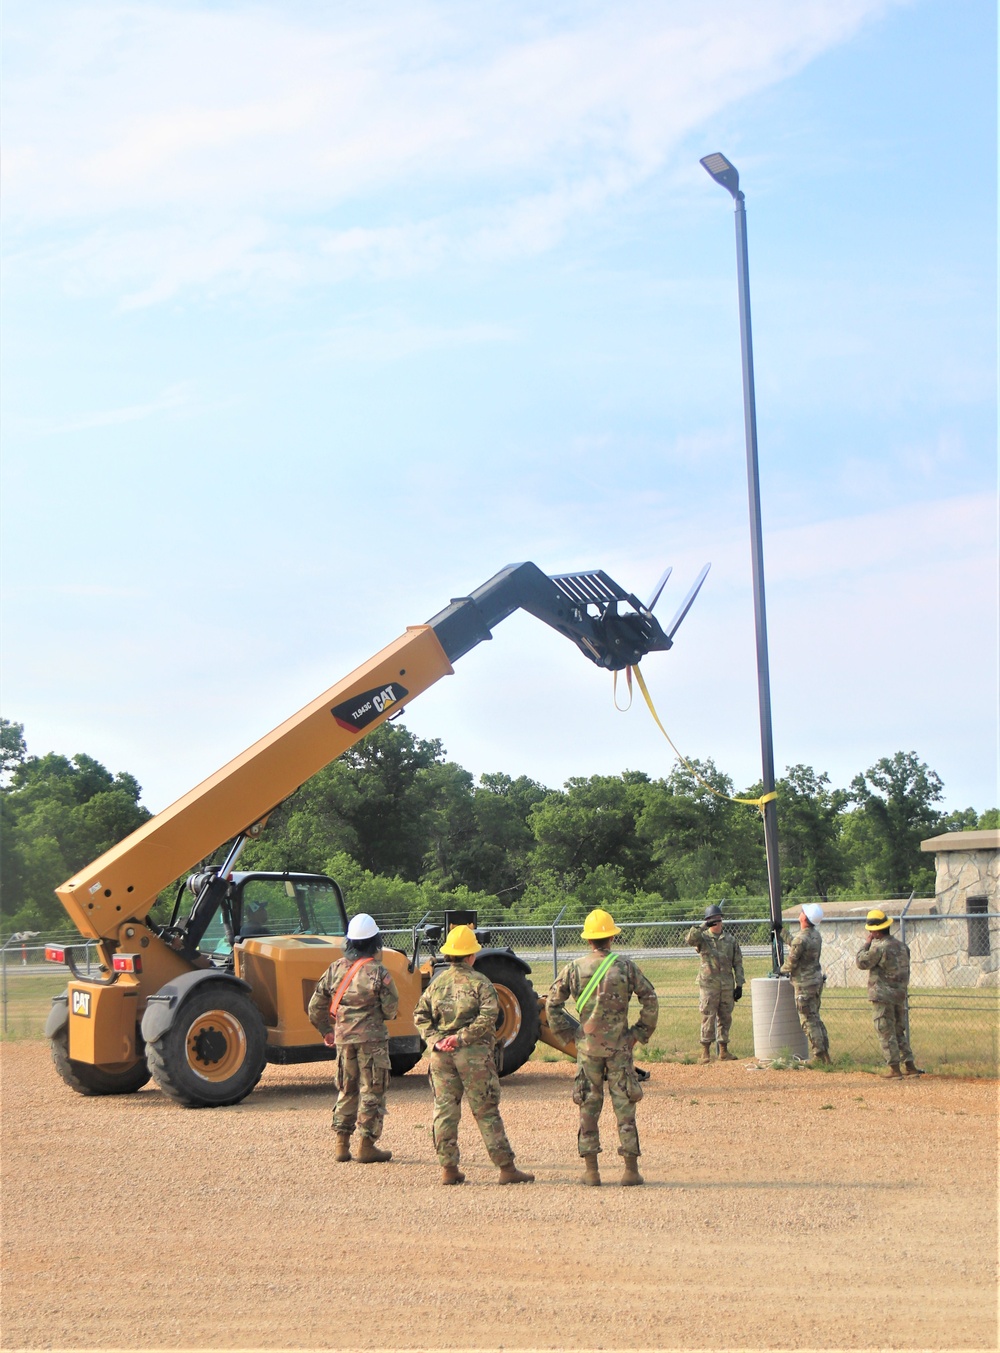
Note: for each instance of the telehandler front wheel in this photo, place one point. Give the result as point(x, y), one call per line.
point(86, 1079)
point(214, 1052)
point(517, 1029)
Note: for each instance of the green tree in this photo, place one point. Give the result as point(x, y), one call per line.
point(959, 820)
point(812, 861)
point(375, 803)
point(702, 844)
point(58, 814)
point(895, 799)
point(592, 823)
point(13, 751)
point(490, 837)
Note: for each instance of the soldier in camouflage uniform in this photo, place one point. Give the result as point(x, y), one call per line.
point(604, 1041)
point(720, 982)
point(802, 966)
point(887, 962)
point(457, 1018)
point(357, 1030)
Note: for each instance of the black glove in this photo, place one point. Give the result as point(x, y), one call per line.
point(737, 993)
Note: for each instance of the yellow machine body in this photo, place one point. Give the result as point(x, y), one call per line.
point(283, 972)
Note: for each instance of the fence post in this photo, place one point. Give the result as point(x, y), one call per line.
point(555, 945)
point(902, 920)
point(3, 957)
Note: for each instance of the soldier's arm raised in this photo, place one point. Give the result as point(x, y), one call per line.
point(695, 937)
point(869, 956)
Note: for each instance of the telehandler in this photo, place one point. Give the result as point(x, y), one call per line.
point(204, 1001)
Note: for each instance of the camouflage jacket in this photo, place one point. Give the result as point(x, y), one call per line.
point(459, 1001)
point(366, 1005)
point(887, 962)
point(802, 961)
point(721, 959)
point(604, 1019)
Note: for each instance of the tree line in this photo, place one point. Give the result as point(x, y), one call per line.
point(406, 831)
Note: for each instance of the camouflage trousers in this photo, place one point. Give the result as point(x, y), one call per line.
point(716, 1009)
point(625, 1092)
point(891, 1027)
point(471, 1072)
point(362, 1079)
point(807, 1004)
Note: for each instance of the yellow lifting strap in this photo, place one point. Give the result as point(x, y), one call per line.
point(752, 803)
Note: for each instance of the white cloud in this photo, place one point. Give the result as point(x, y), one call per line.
point(174, 397)
point(155, 148)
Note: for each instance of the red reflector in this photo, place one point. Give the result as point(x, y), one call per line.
point(127, 963)
point(55, 953)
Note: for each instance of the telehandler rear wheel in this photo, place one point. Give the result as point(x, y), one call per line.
point(123, 1079)
point(402, 1062)
point(517, 1029)
point(214, 1052)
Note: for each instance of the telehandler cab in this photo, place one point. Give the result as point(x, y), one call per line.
point(203, 1002)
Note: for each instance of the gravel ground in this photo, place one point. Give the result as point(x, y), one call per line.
point(782, 1210)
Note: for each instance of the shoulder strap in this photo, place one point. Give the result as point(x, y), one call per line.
point(592, 985)
point(338, 995)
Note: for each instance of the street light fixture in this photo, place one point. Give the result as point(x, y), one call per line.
point(726, 175)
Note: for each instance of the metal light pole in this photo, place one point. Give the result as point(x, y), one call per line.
point(726, 174)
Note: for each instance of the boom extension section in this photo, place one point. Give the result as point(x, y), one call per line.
point(582, 606)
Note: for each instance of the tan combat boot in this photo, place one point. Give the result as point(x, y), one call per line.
point(725, 1055)
point(451, 1174)
point(706, 1054)
point(631, 1175)
point(591, 1174)
point(893, 1073)
point(911, 1069)
point(342, 1151)
point(510, 1174)
point(369, 1154)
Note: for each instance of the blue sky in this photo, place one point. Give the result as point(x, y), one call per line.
point(315, 316)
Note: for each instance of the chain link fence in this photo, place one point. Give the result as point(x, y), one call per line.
point(954, 997)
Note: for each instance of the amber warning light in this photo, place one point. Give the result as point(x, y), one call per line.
point(127, 963)
point(55, 953)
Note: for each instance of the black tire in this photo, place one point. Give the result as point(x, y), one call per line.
point(402, 1062)
point(214, 1052)
point(97, 1080)
point(517, 1029)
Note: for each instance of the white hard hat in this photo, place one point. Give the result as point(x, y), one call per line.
point(362, 927)
point(813, 912)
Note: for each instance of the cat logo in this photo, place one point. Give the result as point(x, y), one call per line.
point(365, 707)
point(81, 1003)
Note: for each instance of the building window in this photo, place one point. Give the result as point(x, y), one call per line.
point(979, 927)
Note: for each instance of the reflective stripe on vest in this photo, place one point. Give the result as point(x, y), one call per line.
point(592, 985)
point(338, 995)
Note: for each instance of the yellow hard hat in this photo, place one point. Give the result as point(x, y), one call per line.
point(877, 920)
point(599, 925)
point(461, 942)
